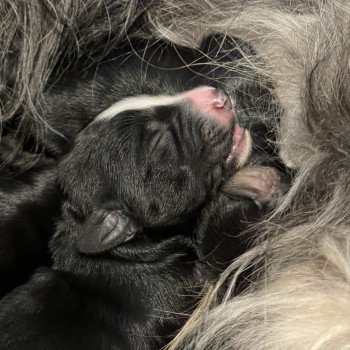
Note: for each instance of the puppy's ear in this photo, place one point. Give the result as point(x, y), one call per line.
point(105, 229)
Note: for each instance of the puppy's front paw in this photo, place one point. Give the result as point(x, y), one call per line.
point(261, 184)
point(105, 229)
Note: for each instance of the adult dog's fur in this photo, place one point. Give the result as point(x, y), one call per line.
point(299, 298)
point(299, 294)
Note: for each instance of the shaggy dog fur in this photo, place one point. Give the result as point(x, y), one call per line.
point(298, 297)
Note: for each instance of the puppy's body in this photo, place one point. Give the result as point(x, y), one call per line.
point(130, 307)
point(30, 203)
point(139, 172)
point(136, 298)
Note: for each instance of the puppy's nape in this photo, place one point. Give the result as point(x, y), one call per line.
point(105, 229)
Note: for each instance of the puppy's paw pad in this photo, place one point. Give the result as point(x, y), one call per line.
point(261, 184)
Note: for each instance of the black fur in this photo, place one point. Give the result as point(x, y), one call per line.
point(30, 203)
point(144, 224)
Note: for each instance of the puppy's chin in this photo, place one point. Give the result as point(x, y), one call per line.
point(242, 147)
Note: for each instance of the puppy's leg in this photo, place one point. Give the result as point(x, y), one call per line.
point(245, 198)
point(258, 183)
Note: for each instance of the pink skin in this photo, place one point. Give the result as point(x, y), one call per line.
point(217, 105)
point(262, 184)
point(238, 136)
point(214, 103)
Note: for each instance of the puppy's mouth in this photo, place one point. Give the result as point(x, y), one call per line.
point(224, 112)
point(219, 106)
point(241, 146)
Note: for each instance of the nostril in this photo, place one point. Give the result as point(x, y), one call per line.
point(221, 100)
point(215, 103)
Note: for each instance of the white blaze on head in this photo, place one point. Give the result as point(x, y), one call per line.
point(138, 103)
point(211, 102)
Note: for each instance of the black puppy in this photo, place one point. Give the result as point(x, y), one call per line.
point(143, 220)
point(30, 203)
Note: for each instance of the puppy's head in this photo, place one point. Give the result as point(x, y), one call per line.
point(152, 160)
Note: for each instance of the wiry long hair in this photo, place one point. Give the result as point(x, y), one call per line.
point(299, 293)
point(42, 39)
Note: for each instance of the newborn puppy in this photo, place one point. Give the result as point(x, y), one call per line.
point(31, 200)
point(159, 159)
point(143, 221)
point(125, 259)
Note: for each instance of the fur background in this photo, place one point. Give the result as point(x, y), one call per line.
point(298, 297)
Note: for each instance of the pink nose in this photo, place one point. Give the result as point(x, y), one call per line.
point(221, 100)
point(213, 102)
